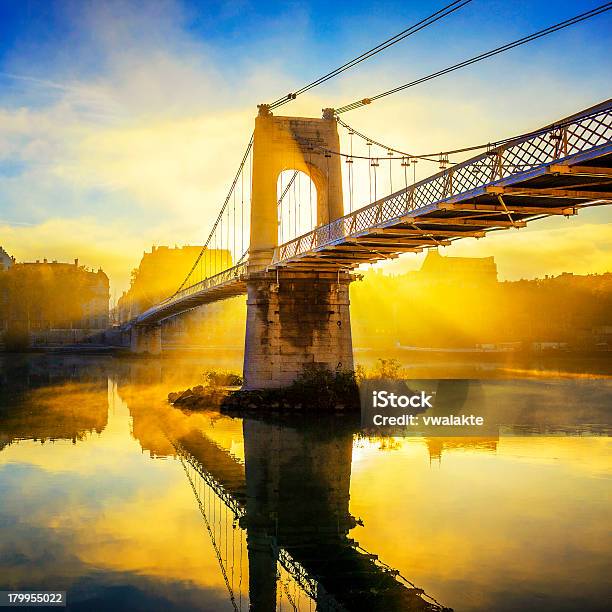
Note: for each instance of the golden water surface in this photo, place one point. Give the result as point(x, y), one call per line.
point(110, 493)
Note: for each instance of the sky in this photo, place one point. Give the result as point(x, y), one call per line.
point(122, 122)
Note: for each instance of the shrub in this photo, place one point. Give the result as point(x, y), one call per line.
point(388, 368)
point(220, 378)
point(325, 387)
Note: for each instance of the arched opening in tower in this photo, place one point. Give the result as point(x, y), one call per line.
point(297, 205)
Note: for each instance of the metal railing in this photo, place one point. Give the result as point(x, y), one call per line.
point(231, 274)
point(518, 156)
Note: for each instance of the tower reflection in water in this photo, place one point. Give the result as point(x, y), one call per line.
point(292, 499)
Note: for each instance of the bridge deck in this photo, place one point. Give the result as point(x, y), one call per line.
point(555, 171)
point(227, 284)
point(559, 190)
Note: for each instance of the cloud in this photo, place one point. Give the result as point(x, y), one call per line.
point(179, 165)
point(129, 129)
point(65, 239)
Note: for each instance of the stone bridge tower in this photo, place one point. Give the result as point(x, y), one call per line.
point(295, 318)
point(291, 143)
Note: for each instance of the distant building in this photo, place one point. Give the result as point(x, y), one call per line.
point(602, 335)
point(6, 261)
point(52, 302)
point(459, 271)
point(549, 346)
point(456, 302)
point(161, 272)
point(436, 446)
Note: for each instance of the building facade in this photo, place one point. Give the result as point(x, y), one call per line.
point(46, 302)
point(457, 271)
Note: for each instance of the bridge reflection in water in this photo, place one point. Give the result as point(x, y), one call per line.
point(285, 497)
point(291, 497)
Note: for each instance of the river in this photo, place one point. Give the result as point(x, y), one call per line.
point(127, 503)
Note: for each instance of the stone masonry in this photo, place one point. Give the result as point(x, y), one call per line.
point(295, 320)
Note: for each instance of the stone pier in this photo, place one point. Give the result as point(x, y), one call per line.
point(146, 339)
point(296, 319)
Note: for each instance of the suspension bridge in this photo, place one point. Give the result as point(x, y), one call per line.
point(284, 237)
point(298, 304)
point(274, 496)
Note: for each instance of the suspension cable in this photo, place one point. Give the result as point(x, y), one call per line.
point(428, 156)
point(521, 41)
point(220, 215)
point(210, 532)
point(413, 29)
point(371, 141)
point(286, 190)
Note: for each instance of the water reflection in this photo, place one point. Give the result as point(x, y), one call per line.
point(220, 513)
